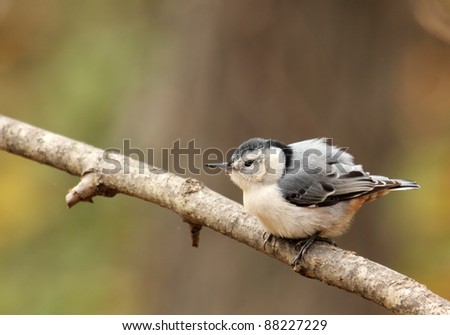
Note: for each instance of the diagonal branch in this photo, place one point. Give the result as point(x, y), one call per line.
point(102, 173)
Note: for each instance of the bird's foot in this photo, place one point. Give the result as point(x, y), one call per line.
point(267, 237)
point(305, 243)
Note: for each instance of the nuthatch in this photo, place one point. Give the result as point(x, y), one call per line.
point(308, 190)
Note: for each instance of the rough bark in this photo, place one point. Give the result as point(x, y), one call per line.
point(200, 206)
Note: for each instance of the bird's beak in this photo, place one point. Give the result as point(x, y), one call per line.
point(225, 165)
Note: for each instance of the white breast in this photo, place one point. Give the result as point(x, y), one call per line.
point(283, 219)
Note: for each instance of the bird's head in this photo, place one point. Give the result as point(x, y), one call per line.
point(257, 162)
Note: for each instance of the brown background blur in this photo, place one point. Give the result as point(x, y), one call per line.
point(372, 75)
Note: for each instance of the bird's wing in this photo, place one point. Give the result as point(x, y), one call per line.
point(325, 190)
point(322, 175)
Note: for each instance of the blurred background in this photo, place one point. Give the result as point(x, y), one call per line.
point(372, 75)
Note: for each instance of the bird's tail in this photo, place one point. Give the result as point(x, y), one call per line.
point(394, 184)
point(384, 185)
point(404, 185)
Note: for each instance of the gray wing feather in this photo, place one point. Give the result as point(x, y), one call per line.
point(322, 175)
point(323, 190)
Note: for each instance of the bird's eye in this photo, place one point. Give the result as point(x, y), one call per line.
point(248, 163)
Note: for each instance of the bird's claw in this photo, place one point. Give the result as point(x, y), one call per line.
point(306, 243)
point(266, 238)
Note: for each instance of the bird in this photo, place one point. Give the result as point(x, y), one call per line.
point(307, 191)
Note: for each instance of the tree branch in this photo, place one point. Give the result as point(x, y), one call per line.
point(200, 206)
